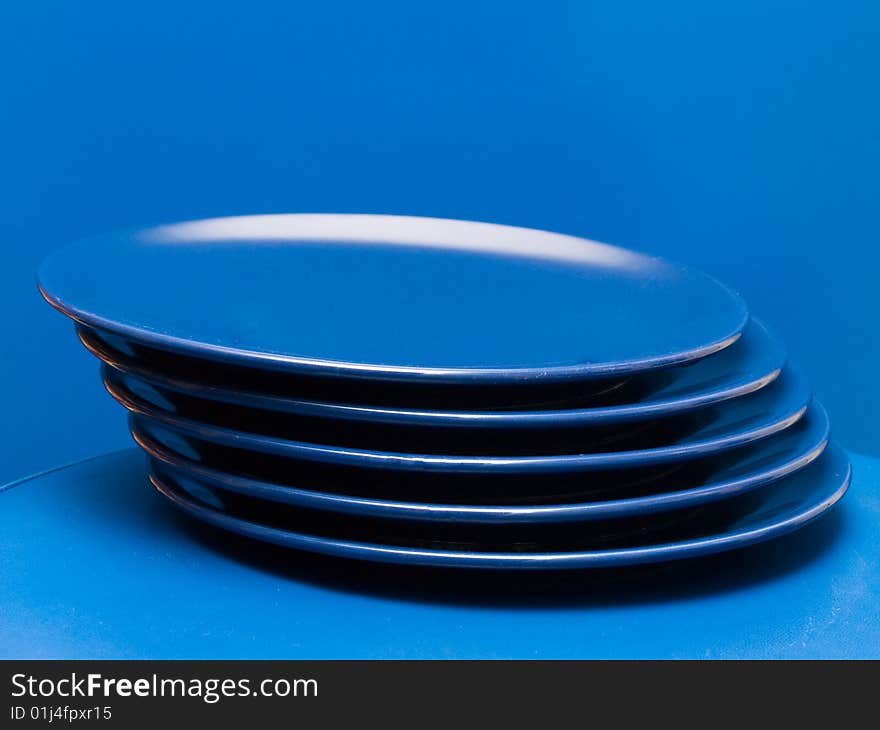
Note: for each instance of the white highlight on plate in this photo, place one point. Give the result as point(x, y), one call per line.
point(468, 236)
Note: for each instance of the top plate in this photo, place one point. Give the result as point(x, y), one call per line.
point(395, 298)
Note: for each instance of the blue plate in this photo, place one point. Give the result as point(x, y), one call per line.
point(735, 423)
point(785, 506)
point(748, 365)
point(394, 298)
point(750, 468)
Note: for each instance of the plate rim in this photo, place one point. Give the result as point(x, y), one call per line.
point(433, 418)
point(368, 458)
point(693, 547)
point(417, 511)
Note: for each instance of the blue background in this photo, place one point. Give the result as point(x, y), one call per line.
point(742, 138)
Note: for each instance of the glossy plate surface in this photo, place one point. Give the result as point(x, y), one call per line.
point(790, 503)
point(732, 424)
point(752, 362)
point(394, 297)
point(750, 468)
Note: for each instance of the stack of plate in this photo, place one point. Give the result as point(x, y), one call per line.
point(448, 393)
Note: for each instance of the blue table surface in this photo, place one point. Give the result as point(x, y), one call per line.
point(97, 565)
